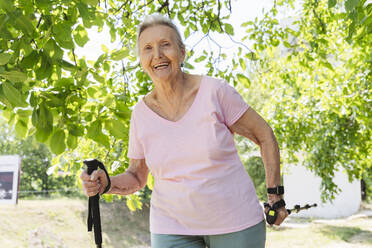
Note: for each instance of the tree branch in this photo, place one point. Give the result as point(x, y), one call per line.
point(164, 5)
point(317, 17)
point(73, 53)
point(38, 23)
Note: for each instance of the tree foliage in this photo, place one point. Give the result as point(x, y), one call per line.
point(81, 108)
point(319, 89)
point(316, 67)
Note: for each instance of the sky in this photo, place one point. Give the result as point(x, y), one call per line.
point(242, 11)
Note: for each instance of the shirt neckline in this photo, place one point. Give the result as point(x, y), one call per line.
point(187, 112)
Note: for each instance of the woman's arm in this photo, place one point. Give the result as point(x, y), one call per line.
point(252, 126)
point(132, 180)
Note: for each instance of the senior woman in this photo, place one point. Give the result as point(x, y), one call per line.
point(182, 131)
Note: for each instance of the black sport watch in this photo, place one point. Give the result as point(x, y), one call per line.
point(278, 190)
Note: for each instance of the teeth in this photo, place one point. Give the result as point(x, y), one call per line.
point(162, 64)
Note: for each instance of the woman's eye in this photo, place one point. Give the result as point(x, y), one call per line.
point(166, 44)
point(147, 47)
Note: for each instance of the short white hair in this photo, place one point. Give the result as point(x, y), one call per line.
point(155, 20)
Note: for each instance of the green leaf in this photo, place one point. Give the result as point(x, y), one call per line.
point(205, 28)
point(62, 34)
point(24, 114)
point(53, 50)
point(332, 3)
point(33, 99)
point(42, 119)
point(26, 47)
point(328, 65)
point(187, 32)
point(54, 100)
point(31, 60)
point(122, 111)
point(229, 29)
point(350, 4)
point(150, 181)
point(244, 80)
point(92, 92)
point(4, 58)
point(200, 59)
point(25, 25)
point(76, 130)
point(57, 142)
point(4, 99)
point(72, 142)
point(64, 82)
point(3, 19)
point(242, 64)
point(21, 128)
point(116, 128)
point(83, 10)
point(130, 204)
point(66, 65)
point(14, 76)
point(91, 2)
point(180, 18)
point(80, 35)
point(13, 95)
point(104, 48)
point(189, 66)
point(7, 5)
point(98, 78)
point(41, 135)
point(46, 68)
point(94, 132)
point(120, 54)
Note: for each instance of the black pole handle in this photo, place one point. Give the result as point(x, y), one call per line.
point(94, 218)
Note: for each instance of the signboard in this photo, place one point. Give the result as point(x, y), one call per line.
point(9, 179)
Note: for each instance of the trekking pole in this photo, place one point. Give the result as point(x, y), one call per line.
point(272, 214)
point(94, 218)
point(298, 208)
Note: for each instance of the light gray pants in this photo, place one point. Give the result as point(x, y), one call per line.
point(252, 237)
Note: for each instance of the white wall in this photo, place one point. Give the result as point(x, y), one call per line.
point(303, 187)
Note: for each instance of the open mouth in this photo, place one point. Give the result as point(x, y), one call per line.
point(161, 66)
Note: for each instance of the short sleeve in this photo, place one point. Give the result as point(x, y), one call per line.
point(232, 103)
point(135, 148)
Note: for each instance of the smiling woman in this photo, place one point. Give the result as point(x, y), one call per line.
point(183, 132)
point(160, 53)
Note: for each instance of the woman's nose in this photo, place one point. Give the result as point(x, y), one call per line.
point(158, 53)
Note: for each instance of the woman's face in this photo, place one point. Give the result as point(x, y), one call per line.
point(160, 54)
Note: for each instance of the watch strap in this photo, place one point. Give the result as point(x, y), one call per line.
point(278, 190)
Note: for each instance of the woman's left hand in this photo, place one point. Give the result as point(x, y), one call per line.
point(282, 212)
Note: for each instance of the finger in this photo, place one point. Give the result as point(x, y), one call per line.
point(84, 176)
point(282, 214)
point(93, 190)
point(93, 176)
point(98, 175)
point(102, 178)
point(90, 184)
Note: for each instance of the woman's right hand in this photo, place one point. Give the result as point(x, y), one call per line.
point(95, 183)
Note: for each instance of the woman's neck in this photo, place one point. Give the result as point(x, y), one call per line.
point(172, 91)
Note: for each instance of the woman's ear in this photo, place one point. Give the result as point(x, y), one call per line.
point(183, 56)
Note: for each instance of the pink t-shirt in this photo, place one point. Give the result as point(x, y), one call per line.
point(201, 186)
